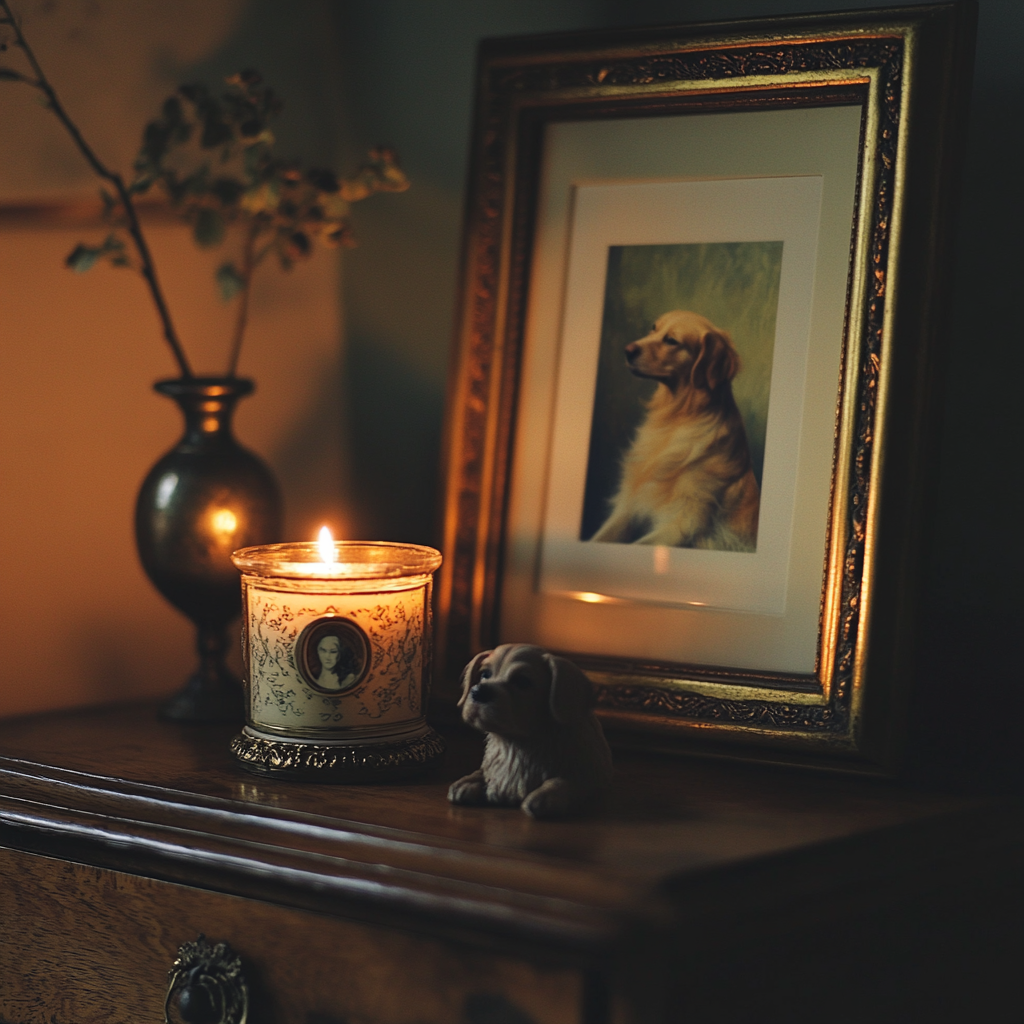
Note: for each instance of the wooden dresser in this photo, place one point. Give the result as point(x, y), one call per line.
point(710, 891)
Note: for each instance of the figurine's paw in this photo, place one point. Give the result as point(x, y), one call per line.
point(552, 799)
point(469, 790)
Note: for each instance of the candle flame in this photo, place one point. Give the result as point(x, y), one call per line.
point(326, 544)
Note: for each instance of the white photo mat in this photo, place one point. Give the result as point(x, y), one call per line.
point(782, 175)
point(665, 213)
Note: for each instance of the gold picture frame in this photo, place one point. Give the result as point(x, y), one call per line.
point(872, 106)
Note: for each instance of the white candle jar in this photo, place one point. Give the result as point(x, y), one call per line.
point(337, 661)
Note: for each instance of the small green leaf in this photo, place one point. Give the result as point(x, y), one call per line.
point(155, 137)
point(263, 199)
point(335, 207)
point(215, 131)
point(299, 246)
point(209, 228)
point(197, 182)
point(195, 92)
point(229, 281)
point(339, 232)
point(322, 179)
point(82, 258)
point(176, 188)
point(112, 245)
point(227, 190)
point(254, 158)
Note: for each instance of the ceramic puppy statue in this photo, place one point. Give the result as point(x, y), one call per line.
point(545, 751)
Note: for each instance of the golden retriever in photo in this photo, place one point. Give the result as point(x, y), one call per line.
point(687, 479)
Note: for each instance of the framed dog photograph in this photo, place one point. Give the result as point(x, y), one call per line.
point(690, 414)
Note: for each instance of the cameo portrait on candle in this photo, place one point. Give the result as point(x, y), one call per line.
point(332, 655)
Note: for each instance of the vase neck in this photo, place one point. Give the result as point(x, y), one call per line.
point(207, 403)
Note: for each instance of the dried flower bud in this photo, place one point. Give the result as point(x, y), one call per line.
point(322, 179)
point(299, 245)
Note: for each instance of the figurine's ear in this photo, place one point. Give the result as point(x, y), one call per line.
point(471, 675)
point(572, 695)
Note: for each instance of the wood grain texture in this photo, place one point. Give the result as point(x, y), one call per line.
point(690, 890)
point(81, 945)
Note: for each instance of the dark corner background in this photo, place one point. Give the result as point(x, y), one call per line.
point(402, 71)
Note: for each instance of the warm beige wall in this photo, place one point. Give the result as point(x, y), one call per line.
point(79, 423)
point(79, 428)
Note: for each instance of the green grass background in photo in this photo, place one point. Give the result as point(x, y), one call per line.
point(735, 285)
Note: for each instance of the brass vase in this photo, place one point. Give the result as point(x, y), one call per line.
point(204, 499)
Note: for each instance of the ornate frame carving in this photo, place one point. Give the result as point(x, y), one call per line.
point(909, 69)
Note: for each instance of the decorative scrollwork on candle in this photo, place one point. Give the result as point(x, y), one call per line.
point(387, 639)
point(398, 649)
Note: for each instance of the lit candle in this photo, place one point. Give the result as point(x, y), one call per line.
point(336, 638)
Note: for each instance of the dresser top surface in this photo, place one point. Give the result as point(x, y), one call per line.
point(117, 787)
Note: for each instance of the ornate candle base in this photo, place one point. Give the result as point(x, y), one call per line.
point(338, 762)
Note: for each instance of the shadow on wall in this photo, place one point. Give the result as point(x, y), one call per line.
point(396, 437)
point(399, 300)
point(969, 700)
point(408, 80)
point(311, 463)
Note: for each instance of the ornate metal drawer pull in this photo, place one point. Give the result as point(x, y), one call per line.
point(208, 983)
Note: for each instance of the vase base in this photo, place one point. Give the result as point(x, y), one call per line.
point(321, 762)
point(198, 701)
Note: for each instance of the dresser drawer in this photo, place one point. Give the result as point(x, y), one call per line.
point(81, 944)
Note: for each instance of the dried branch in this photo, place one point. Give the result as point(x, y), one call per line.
point(213, 158)
point(147, 267)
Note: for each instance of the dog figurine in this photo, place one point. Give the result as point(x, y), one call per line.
point(687, 479)
point(545, 751)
